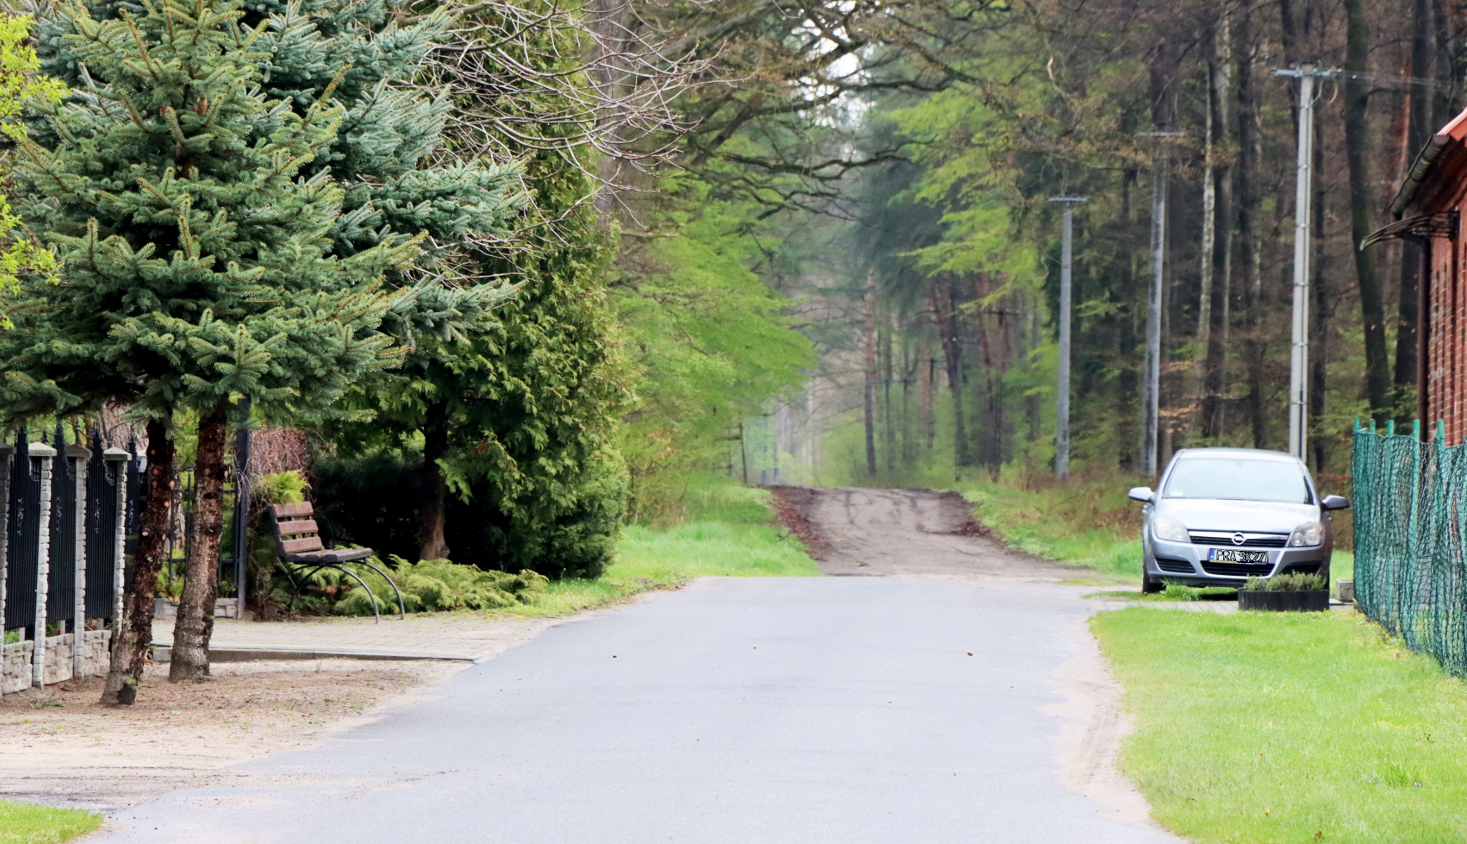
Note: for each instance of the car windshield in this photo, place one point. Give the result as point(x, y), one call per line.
point(1238, 480)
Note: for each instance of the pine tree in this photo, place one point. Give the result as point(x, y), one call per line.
point(394, 177)
point(519, 463)
point(196, 254)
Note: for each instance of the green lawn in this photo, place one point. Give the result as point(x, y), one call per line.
point(26, 823)
point(727, 532)
point(1288, 727)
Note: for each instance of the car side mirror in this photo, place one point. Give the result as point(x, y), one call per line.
point(1143, 494)
point(1334, 502)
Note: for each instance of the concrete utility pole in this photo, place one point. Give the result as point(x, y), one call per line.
point(1151, 396)
point(1062, 402)
point(1299, 349)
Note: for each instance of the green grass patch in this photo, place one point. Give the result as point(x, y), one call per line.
point(27, 823)
point(728, 531)
point(1288, 727)
point(1172, 592)
point(1083, 523)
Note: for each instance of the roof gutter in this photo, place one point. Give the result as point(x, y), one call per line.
point(1424, 159)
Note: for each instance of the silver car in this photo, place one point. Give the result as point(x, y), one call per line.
point(1221, 515)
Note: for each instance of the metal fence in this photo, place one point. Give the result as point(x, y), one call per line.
point(69, 520)
point(63, 543)
point(1411, 539)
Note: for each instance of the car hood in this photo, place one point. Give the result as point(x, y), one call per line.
point(1250, 516)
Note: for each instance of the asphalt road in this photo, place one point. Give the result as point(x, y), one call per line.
point(836, 709)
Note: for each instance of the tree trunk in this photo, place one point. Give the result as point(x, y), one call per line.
point(1214, 304)
point(1207, 252)
point(870, 393)
point(926, 376)
point(1249, 225)
point(195, 621)
point(945, 310)
point(135, 629)
point(435, 486)
point(1127, 381)
point(1357, 143)
point(909, 448)
point(1449, 65)
point(888, 431)
point(1320, 312)
point(1418, 132)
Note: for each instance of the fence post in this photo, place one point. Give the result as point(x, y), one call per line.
point(118, 459)
point(1441, 431)
point(44, 454)
point(79, 455)
point(241, 504)
point(6, 452)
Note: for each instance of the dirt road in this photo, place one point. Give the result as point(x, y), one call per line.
point(886, 532)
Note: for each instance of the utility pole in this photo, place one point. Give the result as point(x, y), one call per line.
point(1299, 348)
point(1062, 402)
point(1151, 396)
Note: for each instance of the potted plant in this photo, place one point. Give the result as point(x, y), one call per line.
point(1285, 593)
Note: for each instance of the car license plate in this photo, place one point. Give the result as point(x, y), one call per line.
point(1233, 555)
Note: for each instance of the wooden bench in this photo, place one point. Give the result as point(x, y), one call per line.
point(298, 541)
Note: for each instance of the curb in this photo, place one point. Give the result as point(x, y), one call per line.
point(251, 653)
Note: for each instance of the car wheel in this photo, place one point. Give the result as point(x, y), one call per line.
point(1150, 585)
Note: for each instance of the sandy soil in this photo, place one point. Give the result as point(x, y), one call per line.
point(876, 532)
point(59, 746)
point(1088, 744)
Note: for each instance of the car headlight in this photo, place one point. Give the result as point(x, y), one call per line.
point(1308, 534)
point(1168, 529)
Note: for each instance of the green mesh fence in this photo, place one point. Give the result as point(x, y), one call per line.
point(1410, 557)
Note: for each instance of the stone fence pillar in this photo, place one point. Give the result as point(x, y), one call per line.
point(117, 459)
point(44, 455)
point(79, 455)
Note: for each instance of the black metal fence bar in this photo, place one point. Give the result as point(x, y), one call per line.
point(6, 452)
point(61, 585)
point(23, 531)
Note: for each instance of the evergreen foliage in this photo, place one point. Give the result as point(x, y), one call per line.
point(387, 155)
point(195, 253)
point(521, 427)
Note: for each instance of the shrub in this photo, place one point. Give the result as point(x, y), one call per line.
point(567, 529)
point(1292, 582)
point(427, 586)
point(370, 501)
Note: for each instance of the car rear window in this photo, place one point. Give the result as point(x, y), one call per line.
point(1238, 480)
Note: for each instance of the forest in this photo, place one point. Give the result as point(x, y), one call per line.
point(509, 275)
point(931, 272)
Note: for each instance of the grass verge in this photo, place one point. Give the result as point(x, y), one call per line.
point(1084, 523)
point(27, 823)
point(727, 532)
point(1274, 727)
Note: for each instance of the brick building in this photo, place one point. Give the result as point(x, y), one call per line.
point(1428, 211)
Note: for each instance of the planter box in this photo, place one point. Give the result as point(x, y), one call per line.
point(1315, 600)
